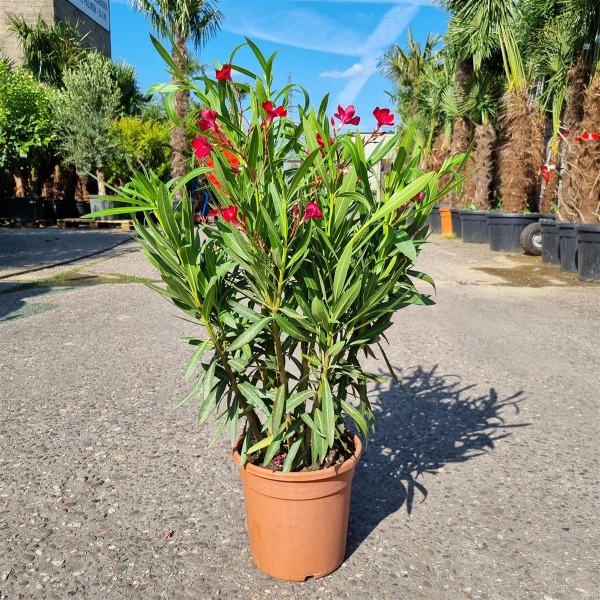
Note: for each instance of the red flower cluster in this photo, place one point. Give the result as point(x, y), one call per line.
point(273, 112)
point(383, 117)
point(208, 120)
point(202, 147)
point(223, 74)
point(322, 143)
point(346, 116)
point(312, 212)
point(228, 214)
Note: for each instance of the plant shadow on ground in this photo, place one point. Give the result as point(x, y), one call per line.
point(438, 421)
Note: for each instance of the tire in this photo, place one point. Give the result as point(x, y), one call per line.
point(531, 239)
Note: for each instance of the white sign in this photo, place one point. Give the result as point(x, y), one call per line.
point(97, 10)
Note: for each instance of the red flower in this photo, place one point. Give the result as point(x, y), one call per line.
point(420, 196)
point(201, 147)
point(223, 74)
point(214, 212)
point(383, 117)
point(208, 120)
point(273, 112)
point(295, 211)
point(312, 212)
point(229, 215)
point(346, 116)
point(590, 137)
point(322, 143)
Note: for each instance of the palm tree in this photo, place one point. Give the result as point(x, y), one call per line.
point(132, 99)
point(480, 102)
point(49, 50)
point(185, 22)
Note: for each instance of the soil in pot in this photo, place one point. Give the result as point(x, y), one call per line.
point(298, 522)
point(504, 229)
point(549, 242)
point(473, 225)
point(456, 225)
point(588, 252)
point(567, 246)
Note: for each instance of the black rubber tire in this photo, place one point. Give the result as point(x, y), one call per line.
point(531, 239)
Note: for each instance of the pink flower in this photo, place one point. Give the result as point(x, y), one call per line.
point(322, 143)
point(273, 112)
point(312, 212)
point(229, 215)
point(383, 117)
point(208, 120)
point(201, 147)
point(346, 116)
point(223, 74)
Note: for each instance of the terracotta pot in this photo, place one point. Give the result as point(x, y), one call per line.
point(298, 522)
point(446, 217)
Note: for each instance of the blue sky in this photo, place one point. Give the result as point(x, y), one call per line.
point(328, 46)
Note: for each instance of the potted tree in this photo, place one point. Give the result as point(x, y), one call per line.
point(298, 279)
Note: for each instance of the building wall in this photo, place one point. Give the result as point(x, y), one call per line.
point(98, 36)
point(50, 10)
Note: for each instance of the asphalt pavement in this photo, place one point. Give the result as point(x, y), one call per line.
point(481, 482)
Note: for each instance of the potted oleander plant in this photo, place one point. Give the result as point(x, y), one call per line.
point(309, 258)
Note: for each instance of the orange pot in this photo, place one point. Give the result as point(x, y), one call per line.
point(298, 522)
point(446, 217)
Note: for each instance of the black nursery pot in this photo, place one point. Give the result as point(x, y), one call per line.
point(65, 209)
point(588, 252)
point(567, 246)
point(435, 220)
point(24, 210)
point(504, 229)
point(550, 244)
point(83, 208)
point(97, 205)
point(473, 226)
point(456, 226)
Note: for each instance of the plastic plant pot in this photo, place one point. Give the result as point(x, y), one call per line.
point(567, 248)
point(446, 219)
point(473, 226)
point(550, 254)
point(588, 252)
point(504, 229)
point(456, 224)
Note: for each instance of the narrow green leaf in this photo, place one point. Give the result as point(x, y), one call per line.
point(260, 445)
point(341, 272)
point(288, 327)
point(289, 459)
point(295, 400)
point(196, 357)
point(328, 413)
point(355, 415)
point(252, 395)
point(249, 334)
point(278, 409)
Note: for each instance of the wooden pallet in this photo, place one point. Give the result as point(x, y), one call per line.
point(124, 225)
point(33, 225)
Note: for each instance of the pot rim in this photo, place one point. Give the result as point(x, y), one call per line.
point(303, 476)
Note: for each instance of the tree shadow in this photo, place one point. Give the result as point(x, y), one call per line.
point(437, 421)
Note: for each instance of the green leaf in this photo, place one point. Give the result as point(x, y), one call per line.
point(319, 312)
point(328, 413)
point(197, 357)
point(252, 395)
point(210, 403)
point(347, 299)
point(356, 417)
point(278, 409)
point(405, 244)
point(249, 334)
point(245, 445)
point(289, 460)
point(341, 272)
point(288, 327)
point(260, 445)
point(295, 400)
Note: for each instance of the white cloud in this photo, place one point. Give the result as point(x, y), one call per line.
point(355, 70)
point(384, 35)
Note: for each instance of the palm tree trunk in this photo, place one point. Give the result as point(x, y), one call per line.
point(521, 155)
point(461, 140)
point(581, 197)
point(485, 140)
point(179, 141)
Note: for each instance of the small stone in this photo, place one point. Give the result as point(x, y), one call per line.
point(28, 557)
point(58, 563)
point(120, 457)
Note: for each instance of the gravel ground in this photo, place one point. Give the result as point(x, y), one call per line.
point(482, 484)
